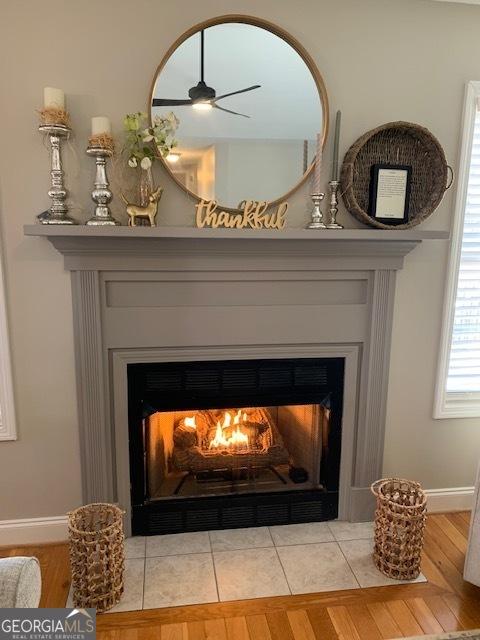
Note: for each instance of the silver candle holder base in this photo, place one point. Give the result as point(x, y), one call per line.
point(58, 212)
point(317, 215)
point(101, 194)
point(333, 224)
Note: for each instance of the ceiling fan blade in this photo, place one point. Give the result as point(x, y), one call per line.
point(234, 93)
point(235, 113)
point(165, 102)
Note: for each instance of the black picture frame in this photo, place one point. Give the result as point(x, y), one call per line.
point(396, 179)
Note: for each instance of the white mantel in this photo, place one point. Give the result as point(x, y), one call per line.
point(143, 294)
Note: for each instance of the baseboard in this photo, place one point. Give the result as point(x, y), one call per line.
point(454, 499)
point(54, 529)
point(33, 530)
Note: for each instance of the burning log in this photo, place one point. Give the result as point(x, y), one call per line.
point(185, 434)
point(207, 441)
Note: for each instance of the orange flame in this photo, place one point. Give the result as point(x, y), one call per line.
point(237, 440)
point(190, 422)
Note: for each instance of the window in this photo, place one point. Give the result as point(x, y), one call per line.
point(7, 412)
point(458, 383)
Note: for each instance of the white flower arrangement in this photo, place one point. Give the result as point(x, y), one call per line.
point(139, 138)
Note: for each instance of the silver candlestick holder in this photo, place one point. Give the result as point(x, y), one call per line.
point(333, 224)
point(317, 215)
point(58, 212)
point(101, 194)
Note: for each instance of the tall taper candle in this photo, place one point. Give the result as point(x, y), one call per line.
point(318, 166)
point(335, 168)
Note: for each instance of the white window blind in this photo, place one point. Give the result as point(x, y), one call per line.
point(464, 362)
point(458, 381)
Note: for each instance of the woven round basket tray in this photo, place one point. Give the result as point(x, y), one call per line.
point(96, 538)
point(396, 143)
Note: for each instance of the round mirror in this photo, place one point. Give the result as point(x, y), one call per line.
point(250, 103)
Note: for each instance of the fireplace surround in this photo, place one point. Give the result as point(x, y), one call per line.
point(173, 296)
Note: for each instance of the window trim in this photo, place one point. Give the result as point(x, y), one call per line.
point(8, 429)
point(457, 404)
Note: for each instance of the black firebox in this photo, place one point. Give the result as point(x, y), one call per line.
point(234, 443)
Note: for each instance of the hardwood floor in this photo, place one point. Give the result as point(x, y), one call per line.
point(445, 603)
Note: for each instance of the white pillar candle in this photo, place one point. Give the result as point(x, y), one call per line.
point(101, 124)
point(53, 98)
point(317, 176)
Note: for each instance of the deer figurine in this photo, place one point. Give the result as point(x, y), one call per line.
point(149, 212)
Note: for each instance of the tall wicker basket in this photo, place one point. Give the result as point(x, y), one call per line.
point(399, 527)
point(96, 555)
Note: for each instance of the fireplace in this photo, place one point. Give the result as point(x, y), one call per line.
point(234, 443)
point(158, 300)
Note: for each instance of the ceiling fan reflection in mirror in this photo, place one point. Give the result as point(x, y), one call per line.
point(203, 97)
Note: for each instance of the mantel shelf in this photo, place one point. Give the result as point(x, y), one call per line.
point(122, 248)
point(192, 233)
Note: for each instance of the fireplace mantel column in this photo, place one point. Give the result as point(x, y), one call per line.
point(373, 392)
point(95, 439)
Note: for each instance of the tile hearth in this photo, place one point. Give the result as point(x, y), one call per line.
point(241, 564)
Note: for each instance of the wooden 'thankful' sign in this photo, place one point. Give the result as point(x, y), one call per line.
point(252, 214)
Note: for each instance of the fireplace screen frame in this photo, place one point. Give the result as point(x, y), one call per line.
point(173, 386)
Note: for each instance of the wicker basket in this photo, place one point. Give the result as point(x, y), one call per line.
point(399, 527)
point(397, 143)
point(96, 555)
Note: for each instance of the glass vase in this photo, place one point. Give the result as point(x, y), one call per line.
point(145, 186)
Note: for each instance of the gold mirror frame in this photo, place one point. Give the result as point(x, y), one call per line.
point(289, 39)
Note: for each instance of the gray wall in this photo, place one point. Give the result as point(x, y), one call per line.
point(381, 59)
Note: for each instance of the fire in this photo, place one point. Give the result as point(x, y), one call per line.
point(190, 422)
point(237, 439)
